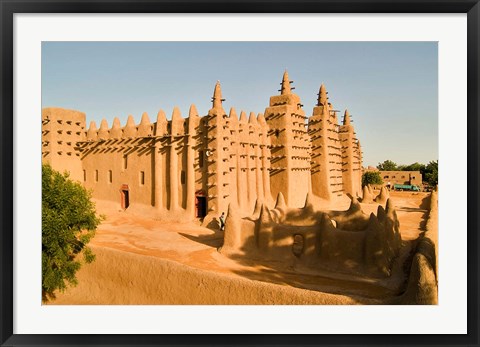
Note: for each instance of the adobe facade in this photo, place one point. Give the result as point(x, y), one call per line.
point(401, 177)
point(186, 168)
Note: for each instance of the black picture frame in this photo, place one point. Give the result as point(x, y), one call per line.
point(10, 7)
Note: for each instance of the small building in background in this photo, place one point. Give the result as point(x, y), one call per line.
point(402, 177)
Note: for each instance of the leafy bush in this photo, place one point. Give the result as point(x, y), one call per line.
point(69, 222)
point(431, 173)
point(371, 177)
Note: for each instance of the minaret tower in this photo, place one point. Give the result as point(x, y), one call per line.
point(290, 146)
point(351, 161)
point(326, 152)
point(217, 158)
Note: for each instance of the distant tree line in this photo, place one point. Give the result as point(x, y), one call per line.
point(429, 172)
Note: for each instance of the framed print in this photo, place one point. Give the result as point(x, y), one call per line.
point(258, 173)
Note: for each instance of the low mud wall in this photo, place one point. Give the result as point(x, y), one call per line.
point(120, 278)
point(422, 287)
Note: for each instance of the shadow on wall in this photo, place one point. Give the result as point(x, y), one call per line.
point(311, 249)
point(362, 292)
point(347, 241)
point(318, 255)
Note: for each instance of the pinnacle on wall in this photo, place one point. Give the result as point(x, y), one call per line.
point(252, 118)
point(261, 119)
point(116, 123)
point(381, 214)
point(116, 130)
point(286, 89)
point(176, 115)
point(217, 96)
point(130, 130)
point(243, 117)
point(193, 111)
point(130, 121)
point(161, 127)
point(103, 133)
point(354, 205)
point(346, 118)
point(145, 120)
point(145, 127)
point(322, 96)
point(93, 126)
point(233, 114)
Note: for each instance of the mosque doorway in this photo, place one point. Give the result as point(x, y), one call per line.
point(124, 197)
point(200, 204)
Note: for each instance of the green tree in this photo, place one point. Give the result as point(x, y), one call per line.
point(371, 177)
point(414, 167)
point(387, 165)
point(431, 173)
point(69, 222)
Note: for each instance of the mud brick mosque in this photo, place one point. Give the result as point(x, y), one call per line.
point(187, 168)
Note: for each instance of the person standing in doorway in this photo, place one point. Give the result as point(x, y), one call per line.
point(222, 221)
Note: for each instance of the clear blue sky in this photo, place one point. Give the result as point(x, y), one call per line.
point(389, 88)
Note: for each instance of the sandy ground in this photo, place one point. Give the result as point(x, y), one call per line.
point(189, 247)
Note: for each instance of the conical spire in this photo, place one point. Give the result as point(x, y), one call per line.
point(322, 96)
point(145, 127)
point(217, 96)
point(176, 114)
point(92, 131)
point(193, 111)
point(252, 118)
point(116, 131)
point(233, 114)
point(286, 84)
point(346, 118)
point(367, 197)
point(383, 196)
point(373, 223)
point(130, 121)
point(243, 117)
point(103, 131)
point(389, 206)
point(116, 123)
point(130, 128)
point(145, 120)
point(177, 122)
point(93, 126)
point(104, 124)
point(192, 123)
point(161, 126)
point(381, 214)
point(261, 119)
point(354, 205)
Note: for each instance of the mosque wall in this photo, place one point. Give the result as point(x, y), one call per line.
point(198, 166)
